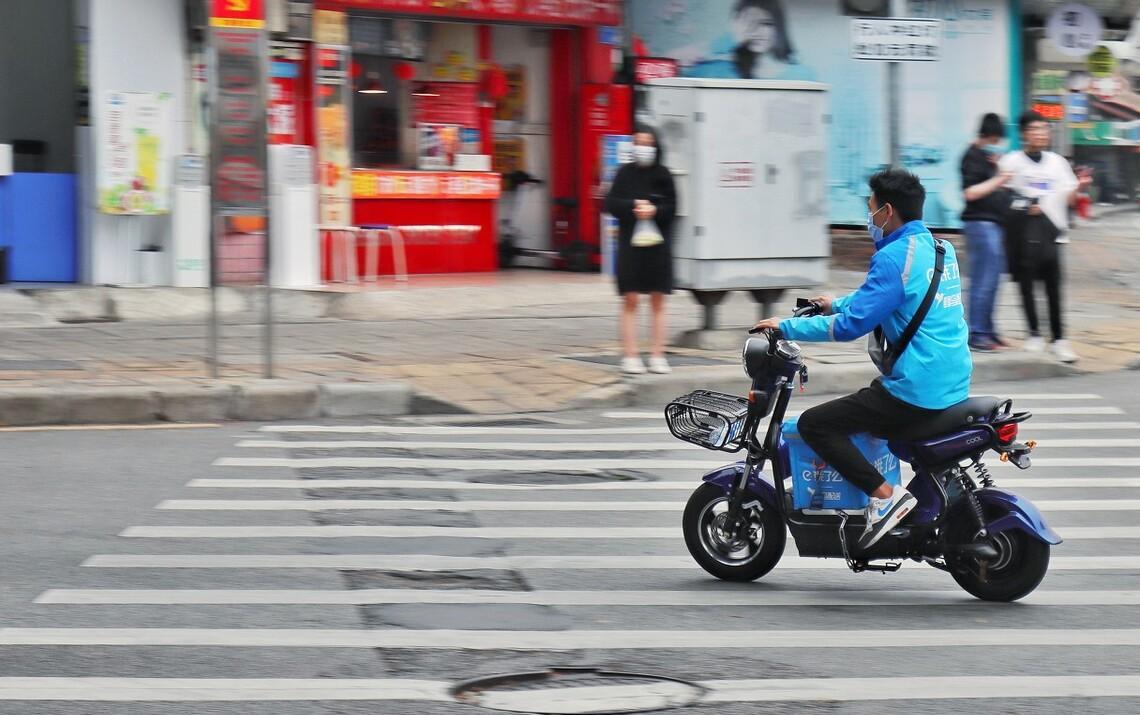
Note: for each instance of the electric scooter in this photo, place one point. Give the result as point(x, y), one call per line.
point(993, 543)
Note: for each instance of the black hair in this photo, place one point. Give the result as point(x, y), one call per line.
point(743, 58)
point(646, 129)
point(991, 127)
point(1027, 118)
point(901, 189)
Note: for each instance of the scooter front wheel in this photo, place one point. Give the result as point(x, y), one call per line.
point(731, 554)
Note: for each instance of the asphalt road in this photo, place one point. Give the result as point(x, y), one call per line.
point(335, 589)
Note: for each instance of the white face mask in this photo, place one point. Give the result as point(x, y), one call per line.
point(644, 155)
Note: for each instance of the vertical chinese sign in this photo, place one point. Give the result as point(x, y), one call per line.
point(238, 150)
point(333, 77)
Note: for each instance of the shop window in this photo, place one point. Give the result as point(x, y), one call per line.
point(378, 103)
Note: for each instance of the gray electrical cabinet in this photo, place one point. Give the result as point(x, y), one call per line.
point(748, 158)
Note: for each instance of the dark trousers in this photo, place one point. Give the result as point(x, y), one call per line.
point(827, 429)
point(1047, 270)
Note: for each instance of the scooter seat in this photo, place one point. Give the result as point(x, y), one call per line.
point(956, 417)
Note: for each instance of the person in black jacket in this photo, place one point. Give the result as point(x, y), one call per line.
point(643, 198)
point(986, 204)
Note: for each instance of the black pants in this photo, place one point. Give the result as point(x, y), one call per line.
point(1049, 271)
point(827, 429)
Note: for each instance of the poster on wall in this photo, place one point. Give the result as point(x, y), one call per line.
point(133, 174)
point(448, 103)
point(510, 155)
point(286, 60)
point(512, 107)
point(437, 145)
point(810, 40)
point(333, 131)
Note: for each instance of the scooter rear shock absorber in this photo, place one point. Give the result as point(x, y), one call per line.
point(983, 474)
point(975, 505)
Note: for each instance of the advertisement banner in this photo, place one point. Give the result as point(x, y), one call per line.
point(941, 102)
point(334, 160)
point(384, 184)
point(286, 61)
point(563, 12)
point(133, 175)
point(448, 103)
point(239, 122)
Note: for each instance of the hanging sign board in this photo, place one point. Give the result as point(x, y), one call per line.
point(896, 39)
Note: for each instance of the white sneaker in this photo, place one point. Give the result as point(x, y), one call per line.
point(884, 515)
point(1063, 352)
point(659, 365)
point(1034, 344)
point(632, 366)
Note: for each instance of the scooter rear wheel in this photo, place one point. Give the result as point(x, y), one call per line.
point(1021, 564)
point(731, 557)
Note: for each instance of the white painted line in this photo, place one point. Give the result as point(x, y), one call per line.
point(927, 688)
point(712, 596)
point(766, 690)
point(413, 531)
point(1078, 426)
point(1057, 410)
point(572, 506)
point(631, 486)
point(661, 446)
point(1086, 443)
point(572, 465)
point(433, 430)
point(637, 533)
point(1074, 410)
point(568, 640)
point(215, 690)
point(426, 562)
point(111, 428)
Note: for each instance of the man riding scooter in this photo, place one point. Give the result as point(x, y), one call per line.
point(919, 330)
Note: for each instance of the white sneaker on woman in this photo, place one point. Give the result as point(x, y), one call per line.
point(1063, 352)
point(659, 365)
point(1034, 344)
point(632, 366)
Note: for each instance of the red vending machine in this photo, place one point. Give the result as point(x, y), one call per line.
point(604, 109)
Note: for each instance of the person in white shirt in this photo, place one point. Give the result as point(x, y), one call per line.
point(1045, 178)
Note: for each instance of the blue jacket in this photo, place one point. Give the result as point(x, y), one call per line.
point(934, 371)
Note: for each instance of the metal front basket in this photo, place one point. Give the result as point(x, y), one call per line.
point(711, 420)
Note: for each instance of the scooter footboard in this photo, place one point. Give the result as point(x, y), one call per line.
point(726, 476)
point(1017, 513)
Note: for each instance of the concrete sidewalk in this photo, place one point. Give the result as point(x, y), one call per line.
point(514, 342)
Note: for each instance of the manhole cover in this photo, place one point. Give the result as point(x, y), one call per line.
point(541, 478)
point(573, 691)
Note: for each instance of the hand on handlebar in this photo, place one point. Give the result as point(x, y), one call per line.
point(824, 302)
point(766, 324)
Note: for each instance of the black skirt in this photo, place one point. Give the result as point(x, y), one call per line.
point(644, 270)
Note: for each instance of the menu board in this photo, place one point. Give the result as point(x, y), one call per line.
point(456, 103)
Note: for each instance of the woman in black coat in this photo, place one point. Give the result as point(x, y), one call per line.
point(644, 190)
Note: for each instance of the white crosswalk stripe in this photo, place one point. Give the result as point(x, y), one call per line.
point(488, 567)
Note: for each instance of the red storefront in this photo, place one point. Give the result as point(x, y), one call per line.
point(419, 107)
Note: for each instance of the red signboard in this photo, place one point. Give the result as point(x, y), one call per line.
point(383, 184)
point(453, 103)
point(647, 68)
point(248, 14)
point(561, 12)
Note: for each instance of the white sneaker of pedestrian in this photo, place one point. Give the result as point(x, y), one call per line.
point(659, 365)
point(1034, 344)
point(632, 366)
point(1063, 352)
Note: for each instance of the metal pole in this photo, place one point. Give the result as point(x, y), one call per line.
point(894, 121)
point(894, 96)
point(267, 344)
point(215, 217)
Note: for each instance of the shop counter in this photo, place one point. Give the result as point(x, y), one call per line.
point(450, 216)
